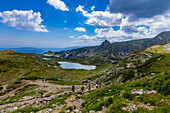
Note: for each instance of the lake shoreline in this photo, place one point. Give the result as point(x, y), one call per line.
point(70, 65)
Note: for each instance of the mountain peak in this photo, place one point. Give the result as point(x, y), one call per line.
point(105, 44)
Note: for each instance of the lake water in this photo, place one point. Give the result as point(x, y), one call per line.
point(46, 58)
point(69, 65)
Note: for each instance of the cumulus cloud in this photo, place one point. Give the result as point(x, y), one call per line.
point(92, 8)
point(156, 24)
point(100, 18)
point(80, 29)
point(58, 4)
point(84, 37)
point(139, 8)
point(146, 26)
point(80, 8)
point(114, 36)
point(24, 20)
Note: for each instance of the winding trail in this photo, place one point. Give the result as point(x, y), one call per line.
point(11, 93)
point(38, 82)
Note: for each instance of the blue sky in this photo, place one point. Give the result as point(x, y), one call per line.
point(65, 23)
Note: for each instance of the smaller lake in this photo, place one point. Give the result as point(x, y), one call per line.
point(46, 58)
point(69, 65)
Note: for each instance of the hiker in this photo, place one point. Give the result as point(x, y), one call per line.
point(73, 87)
point(82, 88)
point(97, 85)
point(42, 80)
point(33, 80)
point(89, 87)
point(45, 80)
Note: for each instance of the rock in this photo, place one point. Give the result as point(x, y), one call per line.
point(15, 108)
point(119, 80)
point(91, 111)
point(107, 76)
point(68, 111)
point(84, 81)
point(152, 74)
point(77, 111)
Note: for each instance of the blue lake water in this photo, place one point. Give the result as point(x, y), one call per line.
point(69, 65)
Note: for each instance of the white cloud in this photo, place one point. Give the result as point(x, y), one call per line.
point(100, 18)
point(156, 24)
point(24, 20)
point(58, 4)
point(114, 36)
point(80, 29)
point(80, 8)
point(92, 8)
point(104, 22)
point(72, 37)
point(84, 37)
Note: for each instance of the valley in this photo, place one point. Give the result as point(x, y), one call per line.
point(137, 81)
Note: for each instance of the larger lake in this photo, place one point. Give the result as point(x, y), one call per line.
point(69, 65)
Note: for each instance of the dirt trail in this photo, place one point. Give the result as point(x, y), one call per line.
point(40, 83)
point(71, 101)
point(11, 93)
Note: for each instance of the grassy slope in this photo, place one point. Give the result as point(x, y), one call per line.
point(114, 97)
point(117, 96)
point(14, 64)
point(156, 49)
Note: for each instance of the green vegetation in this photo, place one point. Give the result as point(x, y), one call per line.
point(115, 97)
point(59, 82)
point(156, 49)
point(16, 65)
point(141, 70)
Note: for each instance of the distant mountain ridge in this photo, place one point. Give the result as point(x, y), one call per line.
point(111, 52)
point(39, 50)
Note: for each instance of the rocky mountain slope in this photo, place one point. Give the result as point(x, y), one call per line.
point(138, 84)
point(109, 52)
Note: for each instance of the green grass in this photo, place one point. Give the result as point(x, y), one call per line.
point(118, 94)
point(30, 66)
point(59, 82)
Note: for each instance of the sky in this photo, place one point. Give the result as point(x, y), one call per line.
point(66, 23)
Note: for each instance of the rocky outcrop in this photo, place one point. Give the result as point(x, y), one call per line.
point(107, 76)
point(26, 101)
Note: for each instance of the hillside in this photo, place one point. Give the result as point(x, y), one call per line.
point(159, 48)
point(17, 67)
point(109, 52)
point(139, 83)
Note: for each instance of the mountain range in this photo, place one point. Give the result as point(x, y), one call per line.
point(109, 52)
point(39, 50)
